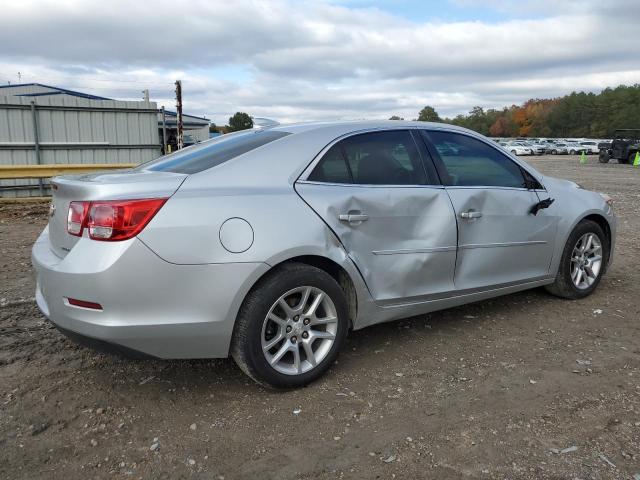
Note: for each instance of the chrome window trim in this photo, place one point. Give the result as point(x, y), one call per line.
point(367, 185)
point(486, 187)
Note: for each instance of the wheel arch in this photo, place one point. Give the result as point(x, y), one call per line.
point(339, 274)
point(328, 265)
point(602, 221)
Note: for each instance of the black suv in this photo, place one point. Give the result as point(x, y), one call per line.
point(625, 145)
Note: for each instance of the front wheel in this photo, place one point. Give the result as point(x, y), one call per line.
point(554, 152)
point(572, 152)
point(584, 260)
point(290, 327)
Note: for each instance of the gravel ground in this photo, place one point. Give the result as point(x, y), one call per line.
point(525, 386)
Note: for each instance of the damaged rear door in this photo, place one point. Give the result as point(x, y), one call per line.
point(389, 211)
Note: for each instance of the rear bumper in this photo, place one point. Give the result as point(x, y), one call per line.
point(149, 306)
point(104, 347)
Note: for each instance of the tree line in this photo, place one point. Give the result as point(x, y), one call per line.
point(578, 115)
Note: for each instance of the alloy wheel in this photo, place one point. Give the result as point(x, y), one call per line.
point(299, 330)
point(586, 261)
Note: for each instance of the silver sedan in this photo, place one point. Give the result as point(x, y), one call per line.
point(269, 245)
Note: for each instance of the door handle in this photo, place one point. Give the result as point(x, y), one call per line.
point(353, 218)
point(470, 214)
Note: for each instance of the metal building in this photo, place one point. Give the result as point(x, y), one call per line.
point(41, 124)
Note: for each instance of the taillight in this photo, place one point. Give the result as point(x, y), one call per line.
point(76, 217)
point(113, 220)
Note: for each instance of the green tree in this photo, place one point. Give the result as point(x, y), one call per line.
point(395, 117)
point(240, 121)
point(578, 114)
point(212, 128)
point(429, 114)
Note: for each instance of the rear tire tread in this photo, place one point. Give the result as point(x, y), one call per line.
point(252, 312)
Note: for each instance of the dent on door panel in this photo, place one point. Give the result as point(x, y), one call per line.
point(407, 246)
point(507, 243)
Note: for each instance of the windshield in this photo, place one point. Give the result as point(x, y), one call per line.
point(212, 152)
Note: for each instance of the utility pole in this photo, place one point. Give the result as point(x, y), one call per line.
point(179, 111)
point(36, 142)
point(164, 132)
point(146, 95)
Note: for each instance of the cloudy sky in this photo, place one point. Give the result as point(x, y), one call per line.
point(323, 59)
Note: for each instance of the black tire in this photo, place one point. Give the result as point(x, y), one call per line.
point(563, 286)
point(554, 152)
point(604, 157)
point(572, 152)
point(514, 152)
point(246, 347)
point(632, 158)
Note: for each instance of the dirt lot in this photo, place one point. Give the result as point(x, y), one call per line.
point(525, 386)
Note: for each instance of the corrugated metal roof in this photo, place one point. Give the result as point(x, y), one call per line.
point(56, 90)
point(74, 93)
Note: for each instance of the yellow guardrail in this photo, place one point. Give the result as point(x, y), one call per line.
point(45, 171)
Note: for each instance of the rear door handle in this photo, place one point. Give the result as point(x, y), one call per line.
point(470, 214)
point(353, 218)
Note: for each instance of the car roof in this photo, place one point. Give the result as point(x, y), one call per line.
point(355, 125)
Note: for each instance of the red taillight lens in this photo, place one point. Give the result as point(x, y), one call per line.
point(114, 220)
point(76, 217)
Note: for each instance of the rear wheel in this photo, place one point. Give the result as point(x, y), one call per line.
point(632, 157)
point(604, 157)
point(584, 260)
point(514, 152)
point(572, 152)
point(290, 327)
point(554, 152)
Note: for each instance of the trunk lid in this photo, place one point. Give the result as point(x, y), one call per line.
point(123, 185)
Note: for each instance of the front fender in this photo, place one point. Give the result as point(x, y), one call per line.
point(572, 205)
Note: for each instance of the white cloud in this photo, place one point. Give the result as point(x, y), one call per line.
point(318, 60)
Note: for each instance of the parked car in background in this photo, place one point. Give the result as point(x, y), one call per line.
point(558, 148)
point(269, 245)
point(574, 148)
point(590, 147)
point(536, 148)
point(517, 148)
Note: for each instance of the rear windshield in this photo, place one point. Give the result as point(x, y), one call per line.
point(212, 152)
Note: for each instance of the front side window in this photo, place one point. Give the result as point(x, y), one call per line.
point(376, 158)
point(471, 162)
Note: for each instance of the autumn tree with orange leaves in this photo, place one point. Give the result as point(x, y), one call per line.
point(575, 115)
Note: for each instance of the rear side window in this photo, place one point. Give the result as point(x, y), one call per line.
point(332, 168)
point(471, 162)
point(377, 158)
point(213, 152)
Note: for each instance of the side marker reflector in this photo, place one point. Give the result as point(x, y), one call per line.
point(84, 304)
